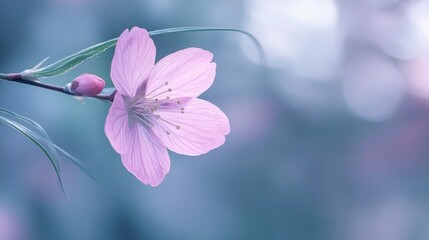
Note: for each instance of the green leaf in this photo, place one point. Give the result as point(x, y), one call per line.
point(44, 142)
point(74, 160)
point(214, 29)
point(66, 64)
point(36, 139)
point(80, 165)
point(38, 127)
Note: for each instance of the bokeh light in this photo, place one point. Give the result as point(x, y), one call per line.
point(328, 139)
point(372, 87)
point(301, 35)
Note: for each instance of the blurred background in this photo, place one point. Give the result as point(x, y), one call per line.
point(329, 140)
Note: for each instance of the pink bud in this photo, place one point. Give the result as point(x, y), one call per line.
point(87, 85)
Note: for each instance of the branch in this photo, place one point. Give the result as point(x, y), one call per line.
point(17, 77)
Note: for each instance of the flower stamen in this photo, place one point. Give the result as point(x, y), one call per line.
point(144, 119)
point(172, 124)
point(165, 84)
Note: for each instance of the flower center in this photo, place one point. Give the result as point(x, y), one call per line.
point(146, 112)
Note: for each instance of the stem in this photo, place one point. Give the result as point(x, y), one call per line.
point(16, 77)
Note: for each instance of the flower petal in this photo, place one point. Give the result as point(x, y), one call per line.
point(200, 128)
point(185, 73)
point(133, 61)
point(116, 127)
point(147, 159)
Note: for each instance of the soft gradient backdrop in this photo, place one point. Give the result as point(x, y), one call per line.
point(329, 140)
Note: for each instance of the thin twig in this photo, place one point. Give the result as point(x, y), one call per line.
point(17, 77)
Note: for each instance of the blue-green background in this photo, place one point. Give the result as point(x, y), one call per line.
point(329, 140)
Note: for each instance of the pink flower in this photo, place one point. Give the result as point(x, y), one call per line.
point(156, 106)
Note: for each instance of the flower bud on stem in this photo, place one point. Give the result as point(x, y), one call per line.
point(88, 85)
point(17, 77)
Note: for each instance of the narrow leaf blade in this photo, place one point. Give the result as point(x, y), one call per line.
point(35, 138)
point(66, 64)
